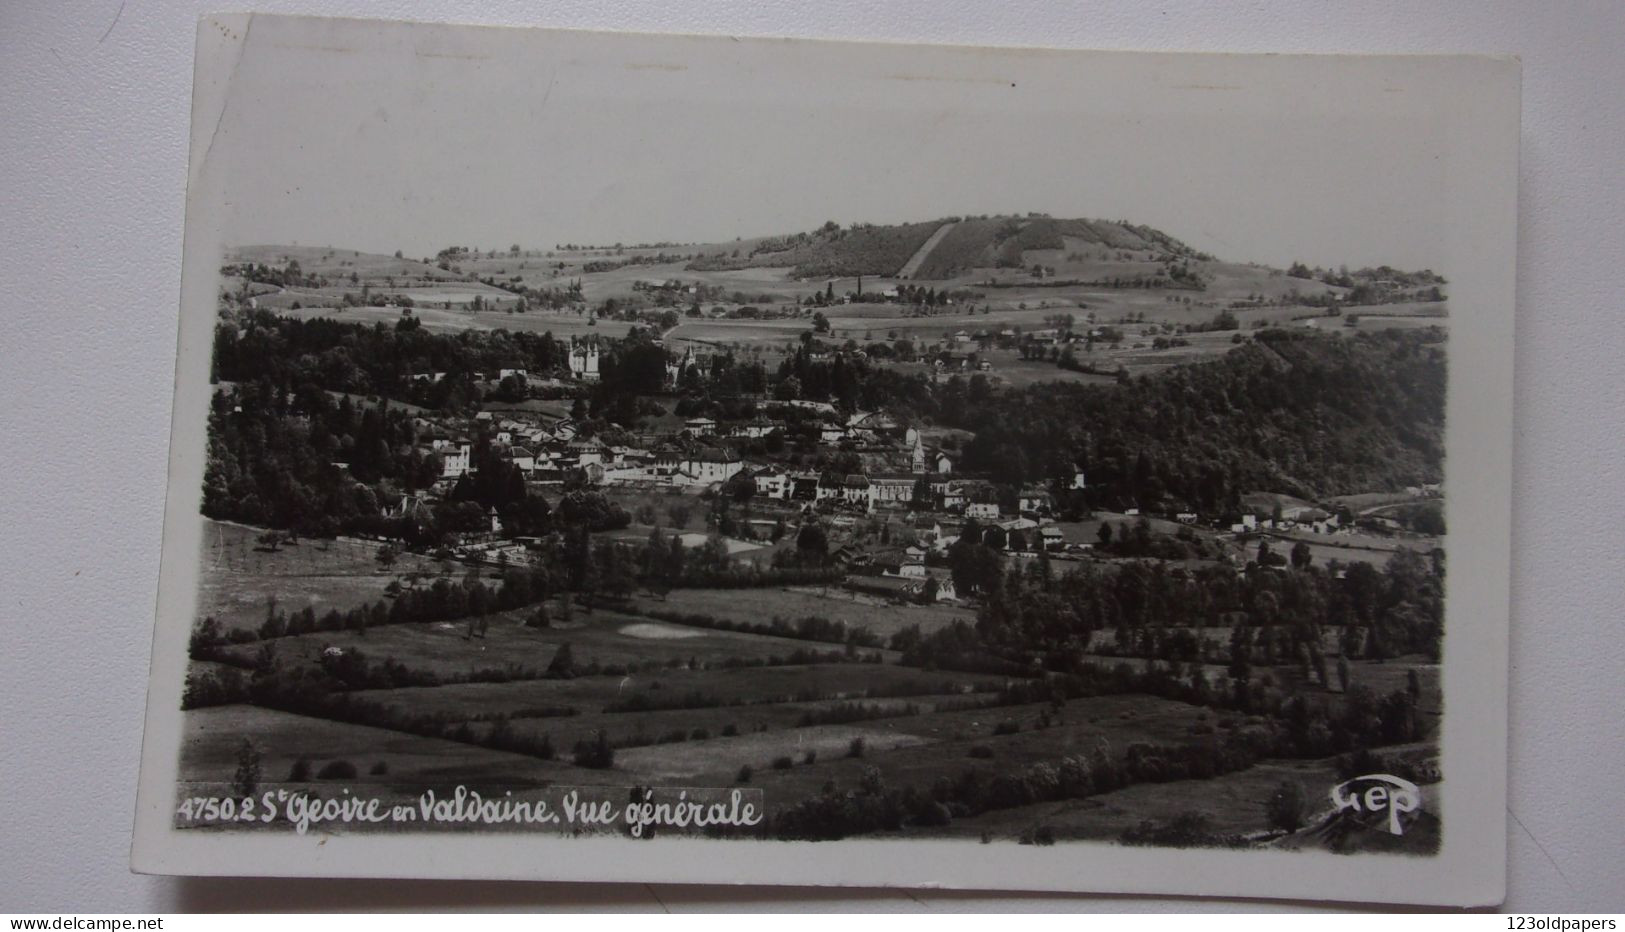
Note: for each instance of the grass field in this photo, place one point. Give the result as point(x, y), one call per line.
point(239, 578)
point(733, 688)
point(212, 737)
point(1231, 804)
point(561, 324)
point(763, 605)
point(598, 637)
point(919, 749)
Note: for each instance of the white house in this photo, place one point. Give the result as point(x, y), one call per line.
point(584, 360)
point(982, 510)
point(699, 427)
point(522, 459)
point(1034, 500)
point(711, 465)
point(892, 490)
point(454, 459)
point(587, 452)
point(771, 483)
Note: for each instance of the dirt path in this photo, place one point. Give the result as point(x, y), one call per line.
point(918, 259)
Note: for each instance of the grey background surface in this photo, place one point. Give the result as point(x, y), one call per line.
point(93, 140)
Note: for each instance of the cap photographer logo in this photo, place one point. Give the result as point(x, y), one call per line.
point(1376, 794)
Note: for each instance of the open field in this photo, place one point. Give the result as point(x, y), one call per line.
point(924, 747)
point(212, 737)
point(595, 638)
point(725, 688)
point(239, 578)
point(1353, 548)
point(758, 606)
point(1232, 804)
point(561, 324)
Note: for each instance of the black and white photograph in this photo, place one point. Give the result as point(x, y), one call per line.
point(1007, 468)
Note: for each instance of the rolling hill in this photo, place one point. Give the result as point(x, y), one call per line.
point(935, 250)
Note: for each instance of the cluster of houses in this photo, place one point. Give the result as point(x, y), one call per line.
point(1297, 518)
point(921, 482)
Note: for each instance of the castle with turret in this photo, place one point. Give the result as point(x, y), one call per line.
point(584, 358)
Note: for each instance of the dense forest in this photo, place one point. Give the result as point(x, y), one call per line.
point(377, 360)
point(1290, 412)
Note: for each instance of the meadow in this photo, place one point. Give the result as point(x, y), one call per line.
point(833, 602)
point(601, 638)
point(212, 737)
point(241, 578)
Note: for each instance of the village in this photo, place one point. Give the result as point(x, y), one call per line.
point(964, 501)
point(909, 488)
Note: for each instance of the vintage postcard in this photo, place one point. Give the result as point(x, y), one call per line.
point(696, 459)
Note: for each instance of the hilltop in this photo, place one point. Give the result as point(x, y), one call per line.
point(942, 249)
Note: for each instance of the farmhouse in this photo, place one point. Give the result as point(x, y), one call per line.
point(711, 464)
point(699, 427)
point(771, 483)
point(1034, 500)
point(522, 459)
point(1050, 537)
point(753, 429)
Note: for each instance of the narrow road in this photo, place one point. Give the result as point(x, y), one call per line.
point(918, 259)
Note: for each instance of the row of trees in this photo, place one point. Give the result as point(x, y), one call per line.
point(377, 360)
point(1030, 615)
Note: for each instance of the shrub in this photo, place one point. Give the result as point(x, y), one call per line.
point(1286, 807)
point(247, 778)
point(337, 770)
point(1188, 829)
point(810, 758)
point(730, 730)
point(563, 664)
point(379, 769)
point(299, 772)
point(745, 773)
point(1007, 727)
point(783, 763)
point(856, 748)
point(1042, 835)
point(982, 751)
point(596, 754)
